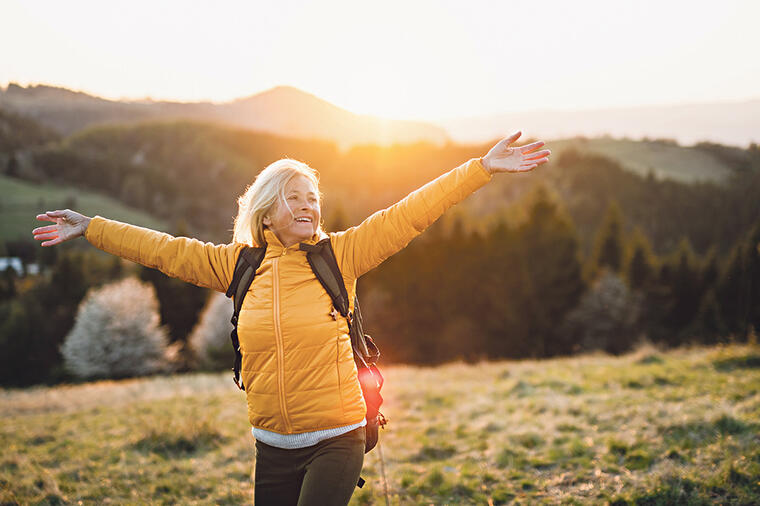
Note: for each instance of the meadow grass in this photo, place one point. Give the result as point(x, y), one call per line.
point(669, 161)
point(650, 427)
point(23, 200)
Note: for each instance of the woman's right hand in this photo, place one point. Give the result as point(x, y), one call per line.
point(68, 225)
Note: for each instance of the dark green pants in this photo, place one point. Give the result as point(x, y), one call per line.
point(325, 473)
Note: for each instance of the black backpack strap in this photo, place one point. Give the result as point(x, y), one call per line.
point(321, 258)
point(248, 261)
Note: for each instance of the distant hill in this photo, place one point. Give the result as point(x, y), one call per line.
point(291, 112)
point(192, 171)
point(19, 132)
point(665, 160)
point(282, 110)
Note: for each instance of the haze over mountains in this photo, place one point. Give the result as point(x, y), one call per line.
point(283, 110)
point(731, 123)
point(289, 111)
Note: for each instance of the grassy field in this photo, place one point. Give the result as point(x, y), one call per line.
point(680, 163)
point(22, 201)
point(646, 428)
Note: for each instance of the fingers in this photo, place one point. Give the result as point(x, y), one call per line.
point(512, 138)
point(538, 154)
point(538, 162)
point(531, 147)
point(45, 230)
point(45, 217)
point(46, 237)
point(53, 242)
point(49, 234)
point(530, 165)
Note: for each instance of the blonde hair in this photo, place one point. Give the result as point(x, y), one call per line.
point(261, 196)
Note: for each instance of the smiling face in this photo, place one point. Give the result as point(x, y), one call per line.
point(296, 219)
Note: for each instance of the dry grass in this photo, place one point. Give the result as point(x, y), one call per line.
point(645, 428)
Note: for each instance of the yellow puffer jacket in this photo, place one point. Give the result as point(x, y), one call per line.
point(298, 365)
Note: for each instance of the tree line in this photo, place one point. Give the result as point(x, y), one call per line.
point(511, 291)
point(527, 291)
point(579, 255)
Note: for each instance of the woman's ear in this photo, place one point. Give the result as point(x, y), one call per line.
point(266, 221)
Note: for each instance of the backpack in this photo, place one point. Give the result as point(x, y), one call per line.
point(321, 258)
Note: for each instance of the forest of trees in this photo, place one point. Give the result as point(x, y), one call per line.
point(580, 255)
point(526, 291)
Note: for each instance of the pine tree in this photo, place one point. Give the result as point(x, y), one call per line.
point(641, 266)
point(609, 244)
point(738, 287)
point(708, 326)
point(684, 291)
point(709, 270)
point(550, 257)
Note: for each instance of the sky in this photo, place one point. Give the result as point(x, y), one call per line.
point(402, 59)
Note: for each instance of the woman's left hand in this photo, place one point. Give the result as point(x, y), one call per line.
point(502, 158)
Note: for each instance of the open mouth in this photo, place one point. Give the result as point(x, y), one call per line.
point(303, 219)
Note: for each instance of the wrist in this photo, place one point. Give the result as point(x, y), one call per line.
point(485, 164)
point(85, 224)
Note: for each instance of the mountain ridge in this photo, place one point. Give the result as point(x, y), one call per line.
point(290, 111)
point(282, 110)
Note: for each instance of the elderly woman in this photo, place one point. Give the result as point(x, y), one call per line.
point(304, 399)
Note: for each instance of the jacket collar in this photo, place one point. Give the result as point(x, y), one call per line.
point(274, 246)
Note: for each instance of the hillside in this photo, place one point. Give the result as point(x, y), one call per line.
point(645, 428)
point(283, 110)
point(194, 171)
point(665, 160)
point(22, 201)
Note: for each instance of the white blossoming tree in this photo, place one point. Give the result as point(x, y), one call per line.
point(210, 339)
point(117, 333)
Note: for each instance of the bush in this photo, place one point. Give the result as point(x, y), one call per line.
point(117, 333)
point(210, 339)
point(605, 319)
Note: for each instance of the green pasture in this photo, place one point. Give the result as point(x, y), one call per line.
point(21, 201)
point(665, 160)
point(651, 427)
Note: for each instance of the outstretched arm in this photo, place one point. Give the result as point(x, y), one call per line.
point(203, 264)
point(363, 247)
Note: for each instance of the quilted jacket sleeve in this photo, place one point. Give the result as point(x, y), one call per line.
point(203, 264)
point(363, 247)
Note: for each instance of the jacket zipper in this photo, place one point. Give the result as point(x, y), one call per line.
point(278, 339)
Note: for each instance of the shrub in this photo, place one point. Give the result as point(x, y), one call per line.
point(210, 339)
point(606, 316)
point(117, 333)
